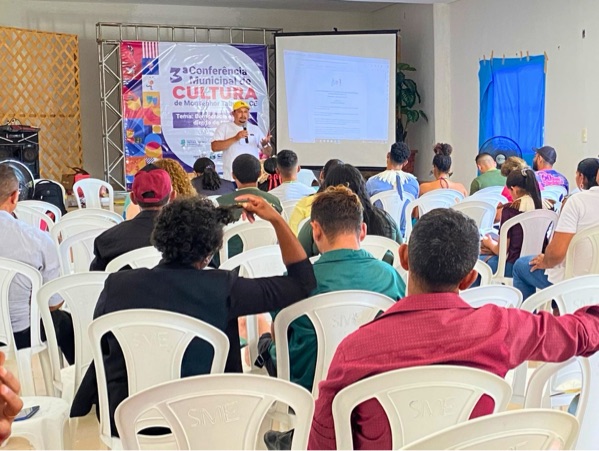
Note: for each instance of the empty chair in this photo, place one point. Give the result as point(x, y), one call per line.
point(44, 207)
point(97, 212)
point(222, 411)
point(34, 217)
point(67, 228)
point(77, 251)
point(378, 246)
point(153, 343)
point(145, 257)
point(407, 393)
point(306, 176)
point(484, 271)
point(80, 293)
point(537, 429)
point(92, 193)
point(584, 241)
point(334, 316)
point(481, 211)
point(260, 233)
point(45, 429)
point(535, 225)
point(500, 295)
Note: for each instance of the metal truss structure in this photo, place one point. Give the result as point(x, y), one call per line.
point(109, 37)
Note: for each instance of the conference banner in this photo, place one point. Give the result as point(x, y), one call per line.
point(176, 94)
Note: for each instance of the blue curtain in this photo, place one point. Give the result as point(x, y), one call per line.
point(512, 101)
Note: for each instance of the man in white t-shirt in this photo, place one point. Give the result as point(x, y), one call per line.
point(288, 168)
point(238, 137)
point(579, 213)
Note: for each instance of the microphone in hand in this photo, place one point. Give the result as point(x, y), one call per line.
point(245, 127)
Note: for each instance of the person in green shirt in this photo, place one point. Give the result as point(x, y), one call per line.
point(338, 228)
point(489, 174)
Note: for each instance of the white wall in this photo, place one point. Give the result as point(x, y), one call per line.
point(478, 27)
point(81, 18)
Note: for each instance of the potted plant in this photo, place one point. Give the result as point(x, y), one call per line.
point(407, 97)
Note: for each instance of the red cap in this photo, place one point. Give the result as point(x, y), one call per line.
point(151, 185)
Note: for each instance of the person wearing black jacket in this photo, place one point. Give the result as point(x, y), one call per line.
point(188, 232)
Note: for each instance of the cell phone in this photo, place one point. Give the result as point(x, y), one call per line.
point(26, 413)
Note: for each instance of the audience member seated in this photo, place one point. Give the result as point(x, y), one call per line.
point(513, 164)
point(441, 168)
point(269, 179)
point(434, 326)
point(578, 213)
point(543, 162)
point(179, 178)
point(338, 229)
point(27, 244)
point(303, 207)
point(586, 174)
point(525, 191)
point(378, 221)
point(489, 174)
point(187, 233)
point(151, 191)
point(207, 181)
point(290, 188)
point(394, 177)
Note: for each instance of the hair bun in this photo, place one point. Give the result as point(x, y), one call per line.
point(443, 149)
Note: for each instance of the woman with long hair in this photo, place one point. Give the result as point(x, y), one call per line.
point(207, 181)
point(441, 168)
point(378, 221)
point(179, 178)
point(526, 195)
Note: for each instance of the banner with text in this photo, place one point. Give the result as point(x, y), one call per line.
point(176, 94)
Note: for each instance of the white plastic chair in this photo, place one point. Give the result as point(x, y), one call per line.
point(306, 177)
point(80, 293)
point(334, 316)
point(258, 234)
point(419, 401)
point(424, 204)
point(94, 212)
point(555, 191)
point(44, 207)
point(67, 228)
point(535, 225)
point(145, 257)
point(392, 203)
point(451, 195)
point(489, 190)
point(495, 198)
point(34, 217)
point(153, 343)
point(46, 429)
point(532, 429)
point(484, 271)
point(378, 246)
point(91, 193)
point(482, 212)
point(587, 239)
point(288, 207)
point(500, 295)
point(77, 251)
point(222, 411)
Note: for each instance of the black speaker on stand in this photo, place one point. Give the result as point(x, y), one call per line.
point(21, 143)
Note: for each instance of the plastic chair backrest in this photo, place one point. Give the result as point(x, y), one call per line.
point(500, 295)
point(213, 200)
point(379, 245)
point(97, 212)
point(258, 234)
point(538, 429)
point(484, 271)
point(306, 177)
point(91, 192)
point(451, 195)
point(535, 225)
point(481, 211)
point(288, 207)
point(44, 207)
point(557, 190)
point(419, 401)
point(221, 411)
point(424, 205)
point(489, 190)
point(494, 198)
point(392, 203)
point(587, 239)
point(8, 270)
point(334, 316)
point(145, 257)
point(80, 293)
point(153, 343)
point(67, 228)
point(34, 217)
point(77, 251)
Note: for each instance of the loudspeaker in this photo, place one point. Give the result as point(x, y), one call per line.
point(21, 144)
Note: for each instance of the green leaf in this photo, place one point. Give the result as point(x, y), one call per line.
point(423, 115)
point(400, 78)
point(408, 98)
point(412, 115)
point(405, 66)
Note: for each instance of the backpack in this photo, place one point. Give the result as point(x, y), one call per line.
point(51, 192)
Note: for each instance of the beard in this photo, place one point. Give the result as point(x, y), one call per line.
point(535, 166)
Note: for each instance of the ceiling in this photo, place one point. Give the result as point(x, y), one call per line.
point(322, 5)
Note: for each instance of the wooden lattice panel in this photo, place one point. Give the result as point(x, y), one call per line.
point(39, 73)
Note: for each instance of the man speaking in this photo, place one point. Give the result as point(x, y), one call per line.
point(239, 137)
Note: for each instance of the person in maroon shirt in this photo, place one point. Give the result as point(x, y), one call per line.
point(434, 326)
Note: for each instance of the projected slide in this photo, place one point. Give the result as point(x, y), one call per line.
point(334, 98)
